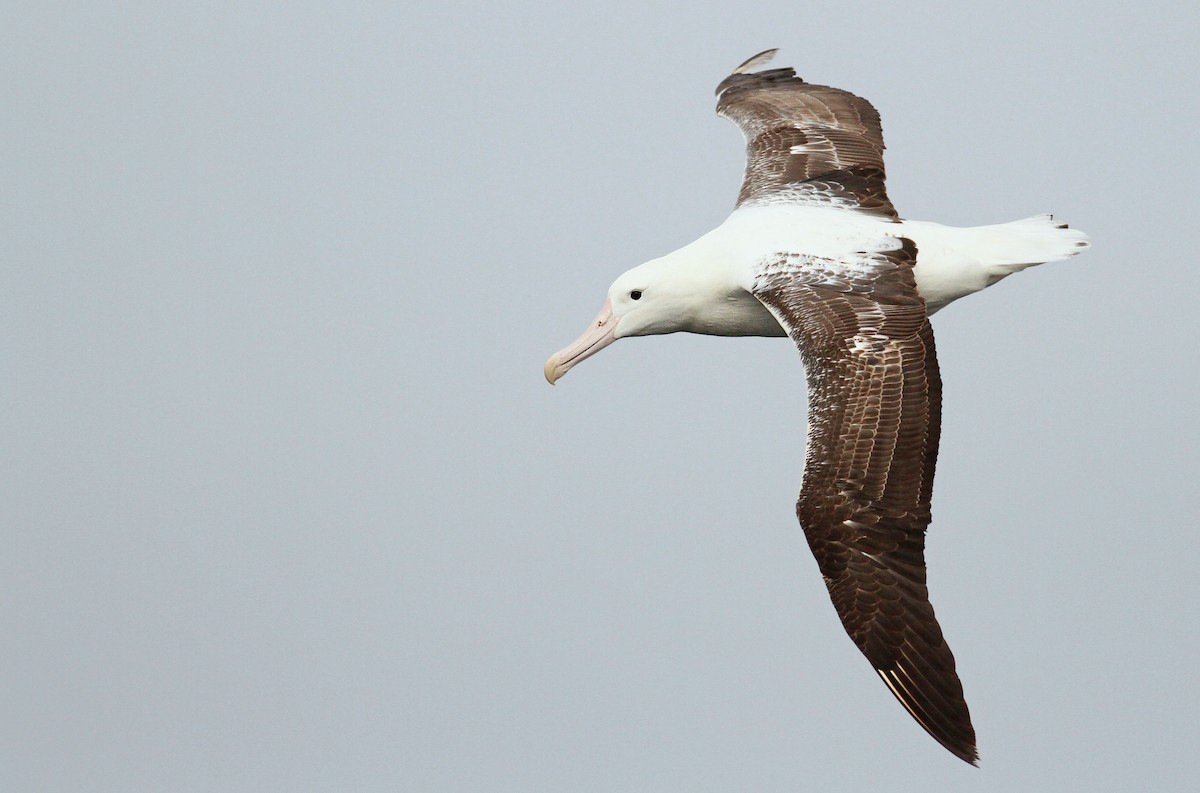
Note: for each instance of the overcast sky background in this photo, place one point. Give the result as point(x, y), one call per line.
point(286, 503)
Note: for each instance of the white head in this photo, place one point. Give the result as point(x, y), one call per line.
point(647, 300)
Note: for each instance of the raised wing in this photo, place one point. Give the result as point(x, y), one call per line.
point(874, 398)
point(805, 144)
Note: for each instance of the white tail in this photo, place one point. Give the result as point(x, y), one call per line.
point(954, 262)
point(1011, 247)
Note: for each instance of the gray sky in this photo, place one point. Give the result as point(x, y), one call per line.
point(287, 505)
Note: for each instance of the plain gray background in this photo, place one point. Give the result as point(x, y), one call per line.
point(287, 505)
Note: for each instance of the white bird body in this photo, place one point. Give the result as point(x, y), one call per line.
point(815, 250)
point(711, 279)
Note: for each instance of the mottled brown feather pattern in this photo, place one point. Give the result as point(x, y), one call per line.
point(874, 397)
point(806, 143)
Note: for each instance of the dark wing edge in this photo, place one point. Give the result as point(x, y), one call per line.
point(874, 394)
point(805, 144)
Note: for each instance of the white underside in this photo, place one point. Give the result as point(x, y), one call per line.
point(951, 262)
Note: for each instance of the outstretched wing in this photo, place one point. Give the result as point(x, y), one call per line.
point(874, 397)
point(805, 144)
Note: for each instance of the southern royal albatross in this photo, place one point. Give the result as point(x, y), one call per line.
point(815, 250)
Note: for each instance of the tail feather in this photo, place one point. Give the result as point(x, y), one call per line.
point(1011, 247)
point(955, 262)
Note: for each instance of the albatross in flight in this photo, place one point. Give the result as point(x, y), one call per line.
point(814, 250)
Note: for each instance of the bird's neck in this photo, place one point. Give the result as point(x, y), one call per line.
point(709, 281)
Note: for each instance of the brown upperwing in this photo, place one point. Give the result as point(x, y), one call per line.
point(874, 398)
point(808, 144)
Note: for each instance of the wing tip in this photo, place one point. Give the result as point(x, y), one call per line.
point(745, 74)
point(961, 746)
point(760, 59)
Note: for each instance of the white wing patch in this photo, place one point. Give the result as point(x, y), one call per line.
point(828, 272)
point(808, 148)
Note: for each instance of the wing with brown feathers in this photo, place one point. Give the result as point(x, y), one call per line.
point(874, 398)
point(805, 144)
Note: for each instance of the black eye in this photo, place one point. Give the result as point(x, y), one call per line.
point(635, 294)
